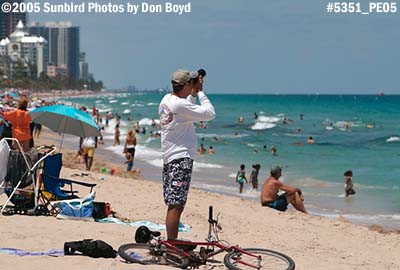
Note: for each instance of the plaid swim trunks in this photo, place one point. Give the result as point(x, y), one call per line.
point(176, 178)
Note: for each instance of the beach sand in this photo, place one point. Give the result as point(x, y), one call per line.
point(313, 242)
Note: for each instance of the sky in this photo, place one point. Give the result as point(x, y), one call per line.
point(258, 46)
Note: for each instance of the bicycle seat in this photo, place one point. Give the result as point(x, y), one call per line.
point(144, 234)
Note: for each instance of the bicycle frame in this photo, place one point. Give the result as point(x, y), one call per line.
point(153, 249)
point(172, 244)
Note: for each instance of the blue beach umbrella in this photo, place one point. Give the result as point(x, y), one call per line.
point(66, 119)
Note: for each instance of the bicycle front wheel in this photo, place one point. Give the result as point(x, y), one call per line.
point(266, 260)
point(146, 254)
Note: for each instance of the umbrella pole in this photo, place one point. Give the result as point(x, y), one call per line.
point(62, 138)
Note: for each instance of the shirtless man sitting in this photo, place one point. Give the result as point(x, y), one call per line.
point(269, 193)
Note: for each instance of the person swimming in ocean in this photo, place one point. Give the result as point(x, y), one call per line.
point(346, 124)
point(273, 150)
point(202, 149)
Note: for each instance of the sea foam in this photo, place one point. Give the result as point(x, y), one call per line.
point(393, 139)
point(262, 126)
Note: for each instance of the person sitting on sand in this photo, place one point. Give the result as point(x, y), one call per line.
point(349, 183)
point(269, 193)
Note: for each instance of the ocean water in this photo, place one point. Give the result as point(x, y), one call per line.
point(370, 147)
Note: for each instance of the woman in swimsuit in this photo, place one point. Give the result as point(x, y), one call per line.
point(130, 143)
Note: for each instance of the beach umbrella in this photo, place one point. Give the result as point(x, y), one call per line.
point(66, 120)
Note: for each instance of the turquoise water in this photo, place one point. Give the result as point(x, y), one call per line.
point(372, 153)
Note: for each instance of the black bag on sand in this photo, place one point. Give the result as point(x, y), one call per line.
point(91, 248)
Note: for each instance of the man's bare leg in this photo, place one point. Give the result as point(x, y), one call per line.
point(172, 220)
point(296, 201)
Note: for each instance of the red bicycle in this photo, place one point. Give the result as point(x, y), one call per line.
point(183, 254)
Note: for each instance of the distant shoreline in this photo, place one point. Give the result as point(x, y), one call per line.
point(67, 93)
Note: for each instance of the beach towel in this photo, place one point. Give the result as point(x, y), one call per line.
point(150, 225)
point(20, 252)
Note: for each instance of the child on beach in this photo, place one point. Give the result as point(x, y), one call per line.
point(116, 135)
point(241, 177)
point(129, 161)
point(254, 176)
point(349, 183)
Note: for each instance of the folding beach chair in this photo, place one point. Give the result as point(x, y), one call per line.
point(51, 185)
point(18, 176)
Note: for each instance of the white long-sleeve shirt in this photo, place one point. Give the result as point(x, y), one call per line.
point(177, 115)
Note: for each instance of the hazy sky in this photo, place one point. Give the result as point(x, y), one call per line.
point(255, 46)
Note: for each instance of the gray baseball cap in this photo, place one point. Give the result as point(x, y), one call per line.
point(182, 76)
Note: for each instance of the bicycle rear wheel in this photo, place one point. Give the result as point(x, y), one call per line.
point(145, 254)
point(268, 260)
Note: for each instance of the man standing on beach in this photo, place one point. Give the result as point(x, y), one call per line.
point(270, 189)
point(178, 111)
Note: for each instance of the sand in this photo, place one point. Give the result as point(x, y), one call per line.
point(313, 242)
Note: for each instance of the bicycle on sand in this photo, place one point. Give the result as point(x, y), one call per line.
point(154, 250)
